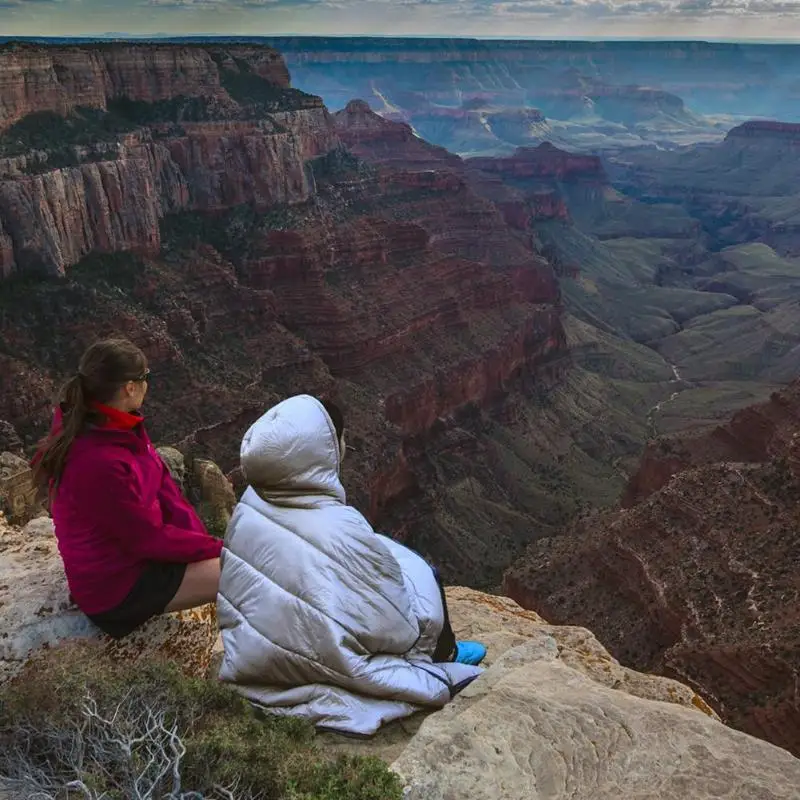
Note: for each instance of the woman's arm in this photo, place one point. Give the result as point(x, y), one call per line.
point(118, 505)
point(174, 506)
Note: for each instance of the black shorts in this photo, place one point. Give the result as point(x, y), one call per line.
point(151, 594)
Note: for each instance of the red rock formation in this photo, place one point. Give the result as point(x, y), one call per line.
point(230, 164)
point(478, 380)
point(389, 143)
point(36, 78)
point(697, 578)
point(545, 161)
point(539, 173)
point(55, 219)
point(394, 146)
point(765, 129)
point(394, 282)
point(754, 434)
point(52, 220)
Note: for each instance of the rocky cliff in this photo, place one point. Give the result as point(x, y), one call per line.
point(553, 717)
point(765, 129)
point(60, 79)
point(551, 179)
point(696, 578)
point(144, 131)
point(546, 161)
point(731, 187)
point(756, 434)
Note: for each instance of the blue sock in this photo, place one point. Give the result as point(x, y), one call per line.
point(469, 653)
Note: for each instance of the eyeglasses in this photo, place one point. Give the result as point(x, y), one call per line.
point(145, 376)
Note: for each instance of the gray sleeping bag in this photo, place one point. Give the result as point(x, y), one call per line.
point(321, 617)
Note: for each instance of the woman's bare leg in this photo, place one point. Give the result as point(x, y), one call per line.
point(199, 586)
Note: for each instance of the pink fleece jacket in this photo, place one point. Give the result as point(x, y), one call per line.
point(115, 509)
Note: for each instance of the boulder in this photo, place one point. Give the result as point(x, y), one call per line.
point(205, 485)
point(217, 496)
point(176, 464)
point(19, 497)
point(556, 717)
point(38, 614)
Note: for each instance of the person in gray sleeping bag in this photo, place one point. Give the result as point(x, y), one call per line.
point(321, 617)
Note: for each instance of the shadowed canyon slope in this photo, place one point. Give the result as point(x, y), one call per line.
point(696, 577)
point(742, 189)
point(258, 256)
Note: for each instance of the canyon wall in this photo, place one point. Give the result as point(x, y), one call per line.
point(119, 188)
point(256, 246)
point(743, 189)
point(60, 79)
point(481, 97)
point(697, 576)
point(713, 77)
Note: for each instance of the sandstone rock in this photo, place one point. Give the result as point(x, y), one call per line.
point(502, 625)
point(59, 217)
point(18, 494)
point(176, 464)
point(556, 717)
point(535, 728)
point(37, 612)
point(35, 78)
point(546, 161)
point(237, 156)
point(206, 485)
point(55, 219)
point(216, 491)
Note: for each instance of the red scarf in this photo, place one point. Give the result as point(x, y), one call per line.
point(119, 420)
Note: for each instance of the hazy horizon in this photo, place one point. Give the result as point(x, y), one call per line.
point(764, 21)
point(294, 34)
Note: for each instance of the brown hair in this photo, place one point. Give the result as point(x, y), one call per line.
point(336, 415)
point(104, 368)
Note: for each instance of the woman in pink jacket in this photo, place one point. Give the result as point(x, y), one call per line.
point(132, 546)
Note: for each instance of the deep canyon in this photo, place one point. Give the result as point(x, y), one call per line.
point(506, 328)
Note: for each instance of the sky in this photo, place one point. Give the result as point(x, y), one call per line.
point(613, 19)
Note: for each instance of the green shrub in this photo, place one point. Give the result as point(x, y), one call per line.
point(174, 109)
point(339, 165)
point(213, 519)
point(76, 724)
point(261, 96)
point(59, 136)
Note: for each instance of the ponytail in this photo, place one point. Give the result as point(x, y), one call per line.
point(52, 455)
point(104, 368)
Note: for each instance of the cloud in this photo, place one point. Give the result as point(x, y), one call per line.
point(234, 5)
point(499, 10)
point(15, 6)
point(506, 18)
point(627, 8)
